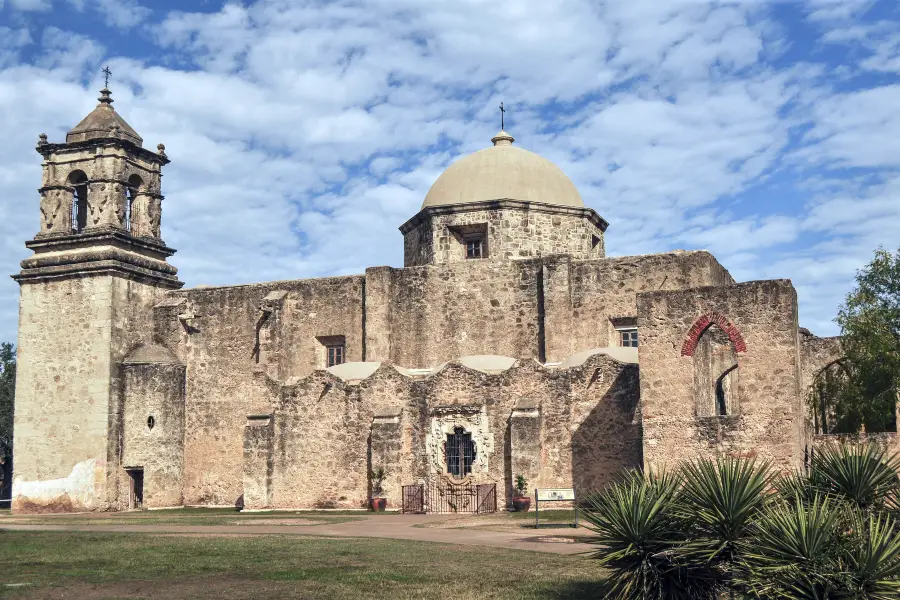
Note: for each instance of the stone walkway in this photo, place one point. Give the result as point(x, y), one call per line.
point(556, 540)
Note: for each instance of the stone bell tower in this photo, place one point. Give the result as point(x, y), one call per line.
point(99, 265)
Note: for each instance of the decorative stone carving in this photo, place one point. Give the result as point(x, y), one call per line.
point(154, 214)
point(474, 420)
point(53, 213)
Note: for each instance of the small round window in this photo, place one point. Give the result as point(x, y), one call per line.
point(151, 422)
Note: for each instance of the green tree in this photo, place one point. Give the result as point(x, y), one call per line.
point(7, 396)
point(870, 327)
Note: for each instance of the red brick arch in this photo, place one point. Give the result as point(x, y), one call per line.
point(700, 325)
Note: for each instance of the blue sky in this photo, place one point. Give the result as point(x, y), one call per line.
point(303, 133)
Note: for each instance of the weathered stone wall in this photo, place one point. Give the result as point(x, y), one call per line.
point(815, 354)
point(889, 441)
point(761, 320)
point(154, 391)
point(328, 432)
point(513, 230)
point(259, 437)
point(235, 352)
point(62, 395)
point(429, 315)
point(597, 292)
point(72, 335)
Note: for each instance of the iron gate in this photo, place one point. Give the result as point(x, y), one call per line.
point(444, 496)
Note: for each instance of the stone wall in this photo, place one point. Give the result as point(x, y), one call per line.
point(429, 315)
point(328, 432)
point(512, 230)
point(599, 292)
point(153, 432)
point(760, 318)
point(72, 335)
point(237, 343)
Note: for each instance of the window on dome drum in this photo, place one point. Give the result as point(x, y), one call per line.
point(335, 355)
point(475, 248)
point(628, 338)
point(460, 452)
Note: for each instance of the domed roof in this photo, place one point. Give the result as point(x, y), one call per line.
point(103, 122)
point(503, 171)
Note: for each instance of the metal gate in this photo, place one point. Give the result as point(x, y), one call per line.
point(414, 498)
point(445, 496)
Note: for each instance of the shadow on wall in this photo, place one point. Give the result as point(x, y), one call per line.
point(609, 439)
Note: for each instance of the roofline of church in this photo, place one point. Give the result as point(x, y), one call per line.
point(502, 203)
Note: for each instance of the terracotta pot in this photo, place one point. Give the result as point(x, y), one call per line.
point(378, 504)
point(521, 503)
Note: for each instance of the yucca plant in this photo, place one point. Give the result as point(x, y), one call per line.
point(864, 475)
point(873, 558)
point(793, 550)
point(719, 500)
point(636, 528)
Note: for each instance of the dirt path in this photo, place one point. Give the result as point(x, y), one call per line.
point(401, 527)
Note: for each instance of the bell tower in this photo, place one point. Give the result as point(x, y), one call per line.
point(99, 266)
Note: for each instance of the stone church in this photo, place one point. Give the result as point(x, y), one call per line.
point(507, 344)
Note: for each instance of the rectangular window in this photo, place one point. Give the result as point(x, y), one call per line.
point(460, 452)
point(335, 355)
point(474, 248)
point(628, 338)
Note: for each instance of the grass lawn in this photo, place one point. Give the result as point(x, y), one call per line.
point(87, 566)
point(194, 516)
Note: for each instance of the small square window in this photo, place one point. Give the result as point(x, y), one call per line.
point(628, 338)
point(335, 355)
point(475, 248)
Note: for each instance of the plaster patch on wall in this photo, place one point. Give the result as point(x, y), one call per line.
point(474, 420)
point(77, 489)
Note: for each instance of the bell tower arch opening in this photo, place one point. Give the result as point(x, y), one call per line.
point(79, 182)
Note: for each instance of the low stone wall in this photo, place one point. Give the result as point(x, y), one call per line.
point(575, 427)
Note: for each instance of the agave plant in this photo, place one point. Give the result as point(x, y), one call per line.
point(637, 526)
point(865, 476)
point(720, 499)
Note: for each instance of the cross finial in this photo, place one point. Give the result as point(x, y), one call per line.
point(502, 114)
point(106, 72)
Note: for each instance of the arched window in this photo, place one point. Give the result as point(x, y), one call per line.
point(79, 181)
point(715, 374)
point(460, 452)
point(135, 184)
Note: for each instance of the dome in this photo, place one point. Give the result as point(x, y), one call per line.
point(103, 122)
point(503, 171)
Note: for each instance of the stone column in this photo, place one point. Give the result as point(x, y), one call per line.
point(259, 437)
point(377, 303)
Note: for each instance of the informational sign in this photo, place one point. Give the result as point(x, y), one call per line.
point(547, 494)
point(552, 495)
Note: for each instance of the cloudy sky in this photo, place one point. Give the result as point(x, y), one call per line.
point(303, 133)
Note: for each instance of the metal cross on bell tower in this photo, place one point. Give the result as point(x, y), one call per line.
point(502, 120)
point(106, 72)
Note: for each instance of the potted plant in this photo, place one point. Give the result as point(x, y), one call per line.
point(521, 500)
point(378, 502)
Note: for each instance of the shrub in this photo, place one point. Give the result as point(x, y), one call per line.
point(730, 526)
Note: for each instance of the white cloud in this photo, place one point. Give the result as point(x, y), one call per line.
point(303, 134)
